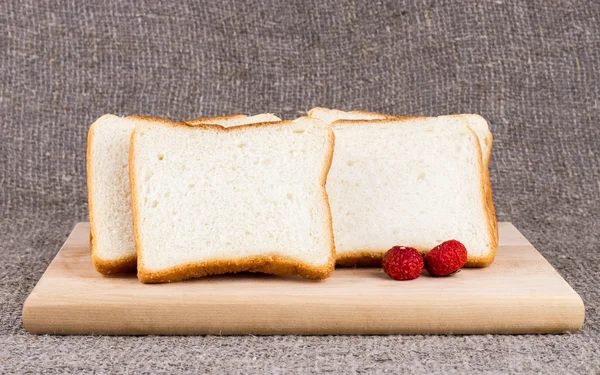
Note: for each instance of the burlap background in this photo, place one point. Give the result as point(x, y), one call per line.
point(531, 67)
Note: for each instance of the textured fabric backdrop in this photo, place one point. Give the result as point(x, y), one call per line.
point(531, 67)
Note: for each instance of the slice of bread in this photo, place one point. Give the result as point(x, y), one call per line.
point(109, 201)
point(211, 200)
point(413, 182)
point(477, 123)
point(109, 197)
point(234, 120)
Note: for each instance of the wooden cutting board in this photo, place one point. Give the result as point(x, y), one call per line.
point(519, 293)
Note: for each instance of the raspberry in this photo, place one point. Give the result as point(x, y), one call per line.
point(403, 263)
point(446, 258)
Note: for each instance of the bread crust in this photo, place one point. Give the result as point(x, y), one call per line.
point(265, 264)
point(374, 114)
point(489, 139)
point(361, 258)
point(486, 196)
point(218, 119)
point(371, 115)
point(160, 120)
point(204, 120)
point(88, 167)
point(119, 265)
point(272, 264)
point(374, 257)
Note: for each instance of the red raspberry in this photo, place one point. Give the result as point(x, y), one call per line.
point(446, 258)
point(403, 263)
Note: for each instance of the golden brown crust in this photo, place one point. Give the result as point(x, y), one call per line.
point(379, 121)
point(160, 120)
point(491, 210)
point(106, 267)
point(332, 258)
point(372, 114)
point(361, 258)
point(205, 120)
point(110, 267)
point(88, 166)
point(368, 115)
point(410, 118)
point(267, 264)
point(489, 199)
point(134, 202)
point(486, 196)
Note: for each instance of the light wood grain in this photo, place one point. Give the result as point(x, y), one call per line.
point(519, 293)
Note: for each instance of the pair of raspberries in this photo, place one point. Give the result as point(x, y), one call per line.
point(405, 263)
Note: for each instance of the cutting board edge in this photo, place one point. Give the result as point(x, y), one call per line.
point(565, 313)
point(35, 305)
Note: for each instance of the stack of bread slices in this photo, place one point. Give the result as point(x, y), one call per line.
point(214, 195)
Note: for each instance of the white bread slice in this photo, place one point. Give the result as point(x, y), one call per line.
point(234, 120)
point(477, 123)
point(414, 182)
point(109, 197)
point(211, 200)
point(109, 201)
